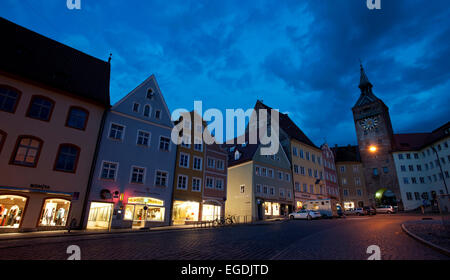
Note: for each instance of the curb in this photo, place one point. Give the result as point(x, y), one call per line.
point(428, 243)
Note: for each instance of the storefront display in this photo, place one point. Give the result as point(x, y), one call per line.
point(210, 212)
point(54, 212)
point(348, 205)
point(272, 208)
point(100, 215)
point(185, 211)
point(141, 209)
point(11, 210)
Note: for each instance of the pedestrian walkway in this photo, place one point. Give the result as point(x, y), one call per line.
point(63, 233)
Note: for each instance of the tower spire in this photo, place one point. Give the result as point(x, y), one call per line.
point(364, 83)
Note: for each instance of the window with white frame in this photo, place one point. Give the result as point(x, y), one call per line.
point(164, 143)
point(143, 138)
point(270, 173)
point(109, 170)
point(161, 178)
point(211, 163)
point(287, 177)
point(182, 182)
point(263, 171)
point(196, 184)
point(220, 164)
point(198, 146)
point(219, 184)
point(197, 163)
point(116, 131)
point(137, 175)
point(210, 182)
point(242, 188)
point(258, 188)
point(265, 190)
point(257, 170)
point(184, 160)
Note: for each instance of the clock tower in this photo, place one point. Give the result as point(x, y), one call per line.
point(375, 140)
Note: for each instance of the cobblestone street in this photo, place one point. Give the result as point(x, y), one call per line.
point(322, 239)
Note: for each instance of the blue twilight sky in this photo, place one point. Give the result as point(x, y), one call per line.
point(300, 56)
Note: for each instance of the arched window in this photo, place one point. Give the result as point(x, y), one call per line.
point(67, 158)
point(150, 93)
point(27, 151)
point(77, 118)
point(12, 208)
point(147, 110)
point(40, 108)
point(54, 212)
point(9, 98)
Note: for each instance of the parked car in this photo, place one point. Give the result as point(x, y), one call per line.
point(386, 209)
point(360, 211)
point(305, 214)
point(370, 210)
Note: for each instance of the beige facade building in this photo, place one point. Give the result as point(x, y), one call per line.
point(52, 99)
point(351, 180)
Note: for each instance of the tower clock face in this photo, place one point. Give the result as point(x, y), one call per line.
point(369, 123)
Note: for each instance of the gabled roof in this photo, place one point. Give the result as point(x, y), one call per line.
point(288, 126)
point(346, 154)
point(417, 141)
point(247, 152)
point(39, 59)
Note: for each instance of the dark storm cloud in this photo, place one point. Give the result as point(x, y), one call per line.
point(299, 56)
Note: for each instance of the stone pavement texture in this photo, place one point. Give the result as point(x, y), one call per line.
point(432, 231)
point(313, 240)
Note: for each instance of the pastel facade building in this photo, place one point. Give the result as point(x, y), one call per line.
point(351, 178)
point(133, 178)
point(52, 102)
point(259, 186)
point(422, 162)
point(215, 186)
point(305, 160)
point(330, 173)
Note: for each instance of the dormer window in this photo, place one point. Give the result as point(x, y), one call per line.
point(150, 93)
point(237, 155)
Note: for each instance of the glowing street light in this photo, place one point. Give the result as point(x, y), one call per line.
point(372, 149)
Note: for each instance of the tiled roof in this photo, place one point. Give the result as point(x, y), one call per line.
point(29, 55)
point(247, 152)
point(416, 141)
point(288, 126)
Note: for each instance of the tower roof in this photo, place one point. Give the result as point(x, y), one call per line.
point(365, 86)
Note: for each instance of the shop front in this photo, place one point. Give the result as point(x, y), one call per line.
point(211, 211)
point(55, 212)
point(100, 214)
point(349, 205)
point(144, 211)
point(185, 212)
point(12, 209)
point(271, 208)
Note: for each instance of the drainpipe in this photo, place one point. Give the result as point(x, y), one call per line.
point(91, 172)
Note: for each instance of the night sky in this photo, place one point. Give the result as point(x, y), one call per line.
point(301, 57)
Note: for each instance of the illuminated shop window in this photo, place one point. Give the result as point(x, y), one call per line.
point(11, 210)
point(185, 211)
point(54, 212)
point(210, 212)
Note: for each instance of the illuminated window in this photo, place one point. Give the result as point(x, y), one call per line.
point(54, 212)
point(27, 151)
point(11, 210)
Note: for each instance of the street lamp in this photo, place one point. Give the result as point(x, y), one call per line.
point(372, 149)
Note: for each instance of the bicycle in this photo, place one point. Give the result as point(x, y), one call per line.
point(219, 222)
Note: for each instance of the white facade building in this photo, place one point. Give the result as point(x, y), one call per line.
point(422, 161)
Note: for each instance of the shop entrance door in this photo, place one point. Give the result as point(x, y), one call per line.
point(140, 215)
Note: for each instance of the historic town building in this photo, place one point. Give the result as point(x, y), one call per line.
point(376, 143)
point(351, 179)
point(189, 171)
point(259, 186)
point(215, 182)
point(330, 173)
point(133, 178)
point(305, 158)
point(52, 101)
point(422, 162)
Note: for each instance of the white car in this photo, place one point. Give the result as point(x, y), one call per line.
point(385, 209)
point(305, 214)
